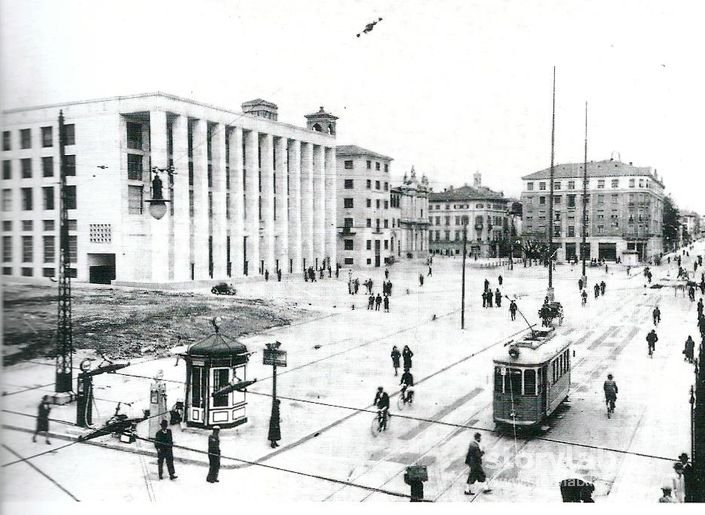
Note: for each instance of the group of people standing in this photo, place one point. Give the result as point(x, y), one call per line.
point(488, 296)
point(164, 443)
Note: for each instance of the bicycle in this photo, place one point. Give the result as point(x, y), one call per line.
point(380, 422)
point(610, 407)
point(651, 350)
point(406, 397)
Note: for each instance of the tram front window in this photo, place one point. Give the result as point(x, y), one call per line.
point(498, 380)
point(529, 382)
point(514, 381)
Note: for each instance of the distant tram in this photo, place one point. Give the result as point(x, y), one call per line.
point(531, 378)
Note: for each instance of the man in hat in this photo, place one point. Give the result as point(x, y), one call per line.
point(666, 497)
point(687, 477)
point(164, 442)
point(214, 455)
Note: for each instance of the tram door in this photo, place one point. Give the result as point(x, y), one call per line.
point(544, 383)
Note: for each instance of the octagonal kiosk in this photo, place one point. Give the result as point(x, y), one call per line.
point(213, 364)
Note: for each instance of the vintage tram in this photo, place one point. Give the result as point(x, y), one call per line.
point(531, 378)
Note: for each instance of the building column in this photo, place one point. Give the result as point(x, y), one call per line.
point(237, 208)
point(200, 200)
point(182, 217)
point(219, 220)
point(267, 168)
point(331, 205)
point(252, 201)
point(159, 237)
point(295, 249)
point(319, 171)
point(281, 202)
point(307, 203)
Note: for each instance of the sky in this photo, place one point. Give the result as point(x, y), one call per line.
point(450, 87)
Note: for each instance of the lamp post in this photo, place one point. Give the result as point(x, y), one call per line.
point(585, 200)
point(465, 251)
point(275, 357)
point(157, 204)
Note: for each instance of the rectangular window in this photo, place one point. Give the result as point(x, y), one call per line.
point(600, 184)
point(542, 186)
point(26, 199)
point(26, 138)
point(386, 223)
point(6, 249)
point(27, 249)
point(556, 185)
point(368, 245)
point(514, 381)
point(386, 186)
point(571, 200)
point(631, 183)
point(48, 192)
point(349, 261)
point(369, 165)
point(530, 186)
point(348, 244)
point(349, 164)
point(48, 166)
point(70, 197)
point(221, 378)
point(386, 204)
point(347, 203)
point(69, 134)
point(571, 185)
point(134, 135)
point(615, 183)
point(571, 231)
point(49, 250)
point(7, 170)
point(542, 200)
point(557, 199)
point(600, 199)
point(347, 222)
point(369, 184)
point(27, 272)
point(7, 225)
point(377, 204)
point(49, 225)
point(47, 137)
point(48, 272)
point(368, 222)
point(134, 200)
point(70, 165)
point(6, 140)
point(73, 248)
point(386, 168)
point(386, 244)
point(134, 167)
point(348, 184)
point(530, 382)
point(26, 167)
point(377, 167)
point(376, 185)
point(369, 202)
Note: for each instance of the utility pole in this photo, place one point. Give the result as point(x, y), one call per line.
point(550, 203)
point(64, 333)
point(465, 248)
point(698, 427)
point(585, 221)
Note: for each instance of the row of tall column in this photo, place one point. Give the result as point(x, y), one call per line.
point(278, 212)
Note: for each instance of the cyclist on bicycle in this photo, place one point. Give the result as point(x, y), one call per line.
point(407, 389)
point(611, 391)
point(651, 339)
point(381, 402)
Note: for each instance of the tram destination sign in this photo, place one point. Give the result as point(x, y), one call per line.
point(274, 357)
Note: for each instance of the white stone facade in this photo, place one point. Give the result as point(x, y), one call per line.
point(249, 194)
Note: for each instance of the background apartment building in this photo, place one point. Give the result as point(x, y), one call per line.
point(366, 219)
point(247, 194)
point(624, 210)
point(485, 211)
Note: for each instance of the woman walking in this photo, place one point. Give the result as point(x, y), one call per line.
point(407, 355)
point(395, 359)
point(43, 419)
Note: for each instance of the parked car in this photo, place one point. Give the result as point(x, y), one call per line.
point(223, 289)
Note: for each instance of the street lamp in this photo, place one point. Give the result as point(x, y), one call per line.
point(157, 204)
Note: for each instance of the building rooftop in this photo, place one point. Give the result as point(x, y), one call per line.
point(466, 193)
point(354, 150)
point(606, 168)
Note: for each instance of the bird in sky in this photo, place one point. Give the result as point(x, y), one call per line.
point(369, 27)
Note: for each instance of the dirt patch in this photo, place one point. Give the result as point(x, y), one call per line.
point(124, 323)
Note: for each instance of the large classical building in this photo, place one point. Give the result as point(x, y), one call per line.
point(246, 193)
point(412, 226)
point(485, 212)
point(624, 210)
point(366, 219)
point(690, 224)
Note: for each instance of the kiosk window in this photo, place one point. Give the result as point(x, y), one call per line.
point(220, 379)
point(529, 382)
point(198, 387)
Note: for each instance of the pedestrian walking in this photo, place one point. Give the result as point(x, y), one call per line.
point(337, 270)
point(691, 293)
point(700, 306)
point(214, 455)
point(395, 359)
point(489, 298)
point(656, 314)
point(513, 310)
point(580, 284)
point(378, 302)
point(500, 280)
point(369, 285)
point(484, 299)
point(678, 481)
point(279, 275)
point(420, 279)
point(266, 275)
point(584, 296)
point(498, 298)
point(487, 285)
point(430, 271)
point(602, 287)
point(164, 442)
point(386, 304)
point(330, 272)
point(473, 459)
point(389, 288)
point(406, 355)
point(43, 419)
point(651, 340)
point(357, 285)
point(386, 273)
point(597, 290)
point(371, 302)
point(275, 433)
point(688, 351)
point(629, 271)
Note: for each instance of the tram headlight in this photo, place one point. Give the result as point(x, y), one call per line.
point(513, 352)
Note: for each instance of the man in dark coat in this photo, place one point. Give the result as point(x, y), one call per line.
point(603, 286)
point(406, 355)
point(656, 315)
point(473, 459)
point(371, 302)
point(597, 290)
point(513, 310)
point(275, 433)
point(580, 284)
point(214, 455)
point(489, 298)
point(420, 279)
point(43, 419)
point(378, 302)
point(498, 298)
point(487, 285)
point(484, 299)
point(164, 442)
point(395, 359)
point(688, 478)
point(279, 274)
point(651, 339)
point(386, 303)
